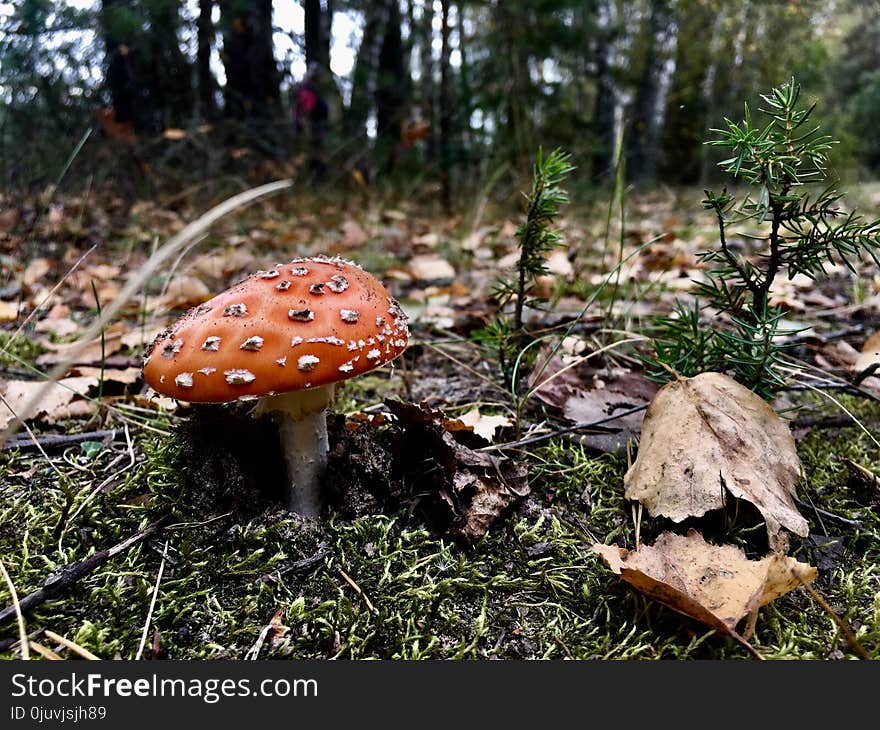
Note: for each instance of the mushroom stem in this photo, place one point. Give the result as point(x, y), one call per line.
point(304, 443)
point(302, 426)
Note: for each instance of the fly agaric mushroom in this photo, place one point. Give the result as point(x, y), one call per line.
point(285, 336)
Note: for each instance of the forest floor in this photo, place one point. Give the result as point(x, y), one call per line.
point(392, 570)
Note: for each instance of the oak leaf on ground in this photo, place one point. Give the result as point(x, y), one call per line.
point(717, 585)
point(707, 431)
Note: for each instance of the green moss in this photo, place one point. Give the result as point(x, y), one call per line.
point(18, 352)
point(531, 589)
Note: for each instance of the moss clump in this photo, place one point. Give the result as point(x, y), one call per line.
point(530, 589)
point(18, 352)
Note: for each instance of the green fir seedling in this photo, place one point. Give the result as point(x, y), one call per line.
point(797, 227)
point(536, 237)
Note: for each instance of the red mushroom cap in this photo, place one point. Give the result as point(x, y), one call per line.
point(311, 322)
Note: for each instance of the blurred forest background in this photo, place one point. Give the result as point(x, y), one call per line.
point(449, 95)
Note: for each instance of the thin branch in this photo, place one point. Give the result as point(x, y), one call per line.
point(66, 576)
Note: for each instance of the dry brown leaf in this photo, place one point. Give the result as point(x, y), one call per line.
point(93, 351)
point(587, 394)
point(707, 430)
point(426, 241)
point(60, 327)
point(353, 234)
point(57, 404)
point(870, 354)
point(186, 291)
point(474, 239)
point(103, 272)
point(484, 426)
point(430, 267)
point(36, 271)
point(716, 585)
point(222, 263)
point(277, 629)
point(557, 263)
point(477, 488)
point(8, 311)
point(140, 336)
point(112, 375)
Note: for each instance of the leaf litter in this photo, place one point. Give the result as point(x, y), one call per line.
point(472, 494)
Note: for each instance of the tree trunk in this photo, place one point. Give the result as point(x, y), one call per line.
point(426, 71)
point(643, 148)
point(317, 42)
point(122, 83)
point(510, 20)
point(364, 77)
point(390, 87)
point(690, 92)
point(252, 79)
point(466, 100)
point(604, 132)
point(206, 81)
point(445, 113)
point(166, 70)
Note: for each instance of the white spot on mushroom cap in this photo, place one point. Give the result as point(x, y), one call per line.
point(328, 340)
point(296, 341)
point(346, 367)
point(235, 310)
point(317, 288)
point(270, 274)
point(239, 376)
point(299, 271)
point(252, 343)
point(212, 344)
point(336, 261)
point(349, 316)
point(282, 361)
point(184, 380)
point(307, 363)
point(374, 355)
point(301, 315)
point(283, 285)
point(337, 284)
point(207, 371)
point(171, 348)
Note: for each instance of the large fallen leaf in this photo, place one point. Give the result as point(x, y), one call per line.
point(93, 351)
point(707, 432)
point(60, 401)
point(716, 585)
